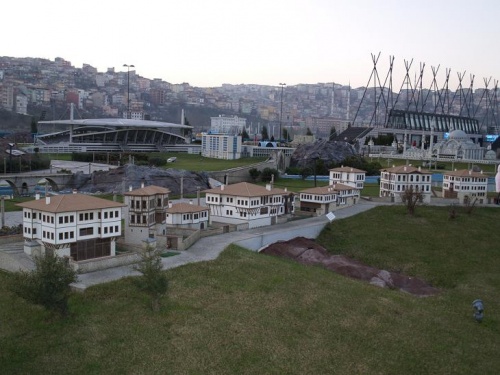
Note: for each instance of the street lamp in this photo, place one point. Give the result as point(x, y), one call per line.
point(281, 109)
point(11, 145)
point(128, 88)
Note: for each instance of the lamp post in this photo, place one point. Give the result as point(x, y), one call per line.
point(11, 145)
point(281, 108)
point(128, 88)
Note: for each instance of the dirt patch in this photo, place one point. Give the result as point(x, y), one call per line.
point(307, 251)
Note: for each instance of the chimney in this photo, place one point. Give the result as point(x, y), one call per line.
point(74, 191)
point(169, 204)
point(419, 168)
point(142, 184)
point(222, 187)
point(190, 201)
point(47, 199)
point(404, 169)
point(268, 187)
point(286, 189)
point(37, 196)
point(130, 188)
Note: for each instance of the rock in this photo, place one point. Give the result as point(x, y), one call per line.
point(120, 179)
point(328, 151)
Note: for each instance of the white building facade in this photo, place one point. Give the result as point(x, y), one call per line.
point(396, 180)
point(323, 199)
point(221, 146)
point(348, 176)
point(245, 203)
point(75, 225)
point(145, 216)
point(227, 125)
point(187, 215)
point(466, 185)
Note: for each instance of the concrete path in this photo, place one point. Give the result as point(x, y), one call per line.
point(209, 248)
point(12, 257)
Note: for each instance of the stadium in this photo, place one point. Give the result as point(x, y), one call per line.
point(110, 135)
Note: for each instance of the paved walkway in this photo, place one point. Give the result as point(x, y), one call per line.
point(207, 248)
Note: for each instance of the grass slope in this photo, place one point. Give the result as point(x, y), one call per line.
point(248, 313)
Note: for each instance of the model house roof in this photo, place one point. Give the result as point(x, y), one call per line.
point(70, 203)
point(405, 169)
point(245, 189)
point(329, 189)
point(465, 173)
point(347, 169)
point(185, 208)
point(148, 190)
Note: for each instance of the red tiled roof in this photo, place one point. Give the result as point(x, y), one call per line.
point(69, 203)
point(183, 207)
point(465, 173)
point(245, 189)
point(347, 169)
point(148, 190)
point(405, 169)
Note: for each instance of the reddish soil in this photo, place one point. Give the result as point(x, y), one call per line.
point(307, 251)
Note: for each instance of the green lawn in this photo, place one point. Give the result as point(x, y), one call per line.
point(198, 163)
point(248, 313)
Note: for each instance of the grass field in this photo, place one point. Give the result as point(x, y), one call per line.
point(248, 313)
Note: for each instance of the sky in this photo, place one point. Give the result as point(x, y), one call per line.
point(211, 42)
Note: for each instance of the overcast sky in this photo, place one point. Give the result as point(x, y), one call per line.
point(211, 42)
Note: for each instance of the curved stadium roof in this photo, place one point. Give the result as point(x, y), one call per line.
point(117, 122)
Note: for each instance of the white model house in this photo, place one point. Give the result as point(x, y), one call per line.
point(145, 215)
point(246, 203)
point(187, 215)
point(468, 186)
point(348, 176)
point(324, 199)
point(396, 180)
point(74, 225)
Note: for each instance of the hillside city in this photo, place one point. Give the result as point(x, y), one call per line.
point(43, 89)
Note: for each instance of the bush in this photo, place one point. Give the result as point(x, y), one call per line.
point(153, 281)
point(48, 284)
point(267, 173)
point(254, 174)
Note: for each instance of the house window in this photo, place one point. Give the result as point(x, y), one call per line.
point(86, 231)
point(117, 214)
point(116, 228)
point(61, 219)
point(105, 215)
point(60, 236)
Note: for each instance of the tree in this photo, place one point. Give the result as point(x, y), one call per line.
point(48, 284)
point(264, 134)
point(286, 135)
point(410, 197)
point(254, 174)
point(333, 133)
point(153, 280)
point(267, 173)
point(34, 126)
point(309, 132)
point(244, 135)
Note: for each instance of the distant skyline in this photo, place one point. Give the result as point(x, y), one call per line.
point(208, 43)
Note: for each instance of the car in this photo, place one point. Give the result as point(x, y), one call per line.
point(171, 160)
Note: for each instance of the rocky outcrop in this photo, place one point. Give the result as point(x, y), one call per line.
point(120, 179)
point(328, 151)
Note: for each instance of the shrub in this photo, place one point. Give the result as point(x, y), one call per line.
point(267, 173)
point(254, 174)
point(153, 281)
point(48, 284)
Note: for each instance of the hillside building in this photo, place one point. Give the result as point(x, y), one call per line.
point(75, 225)
point(396, 180)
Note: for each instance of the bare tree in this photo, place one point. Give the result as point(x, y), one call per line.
point(410, 198)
